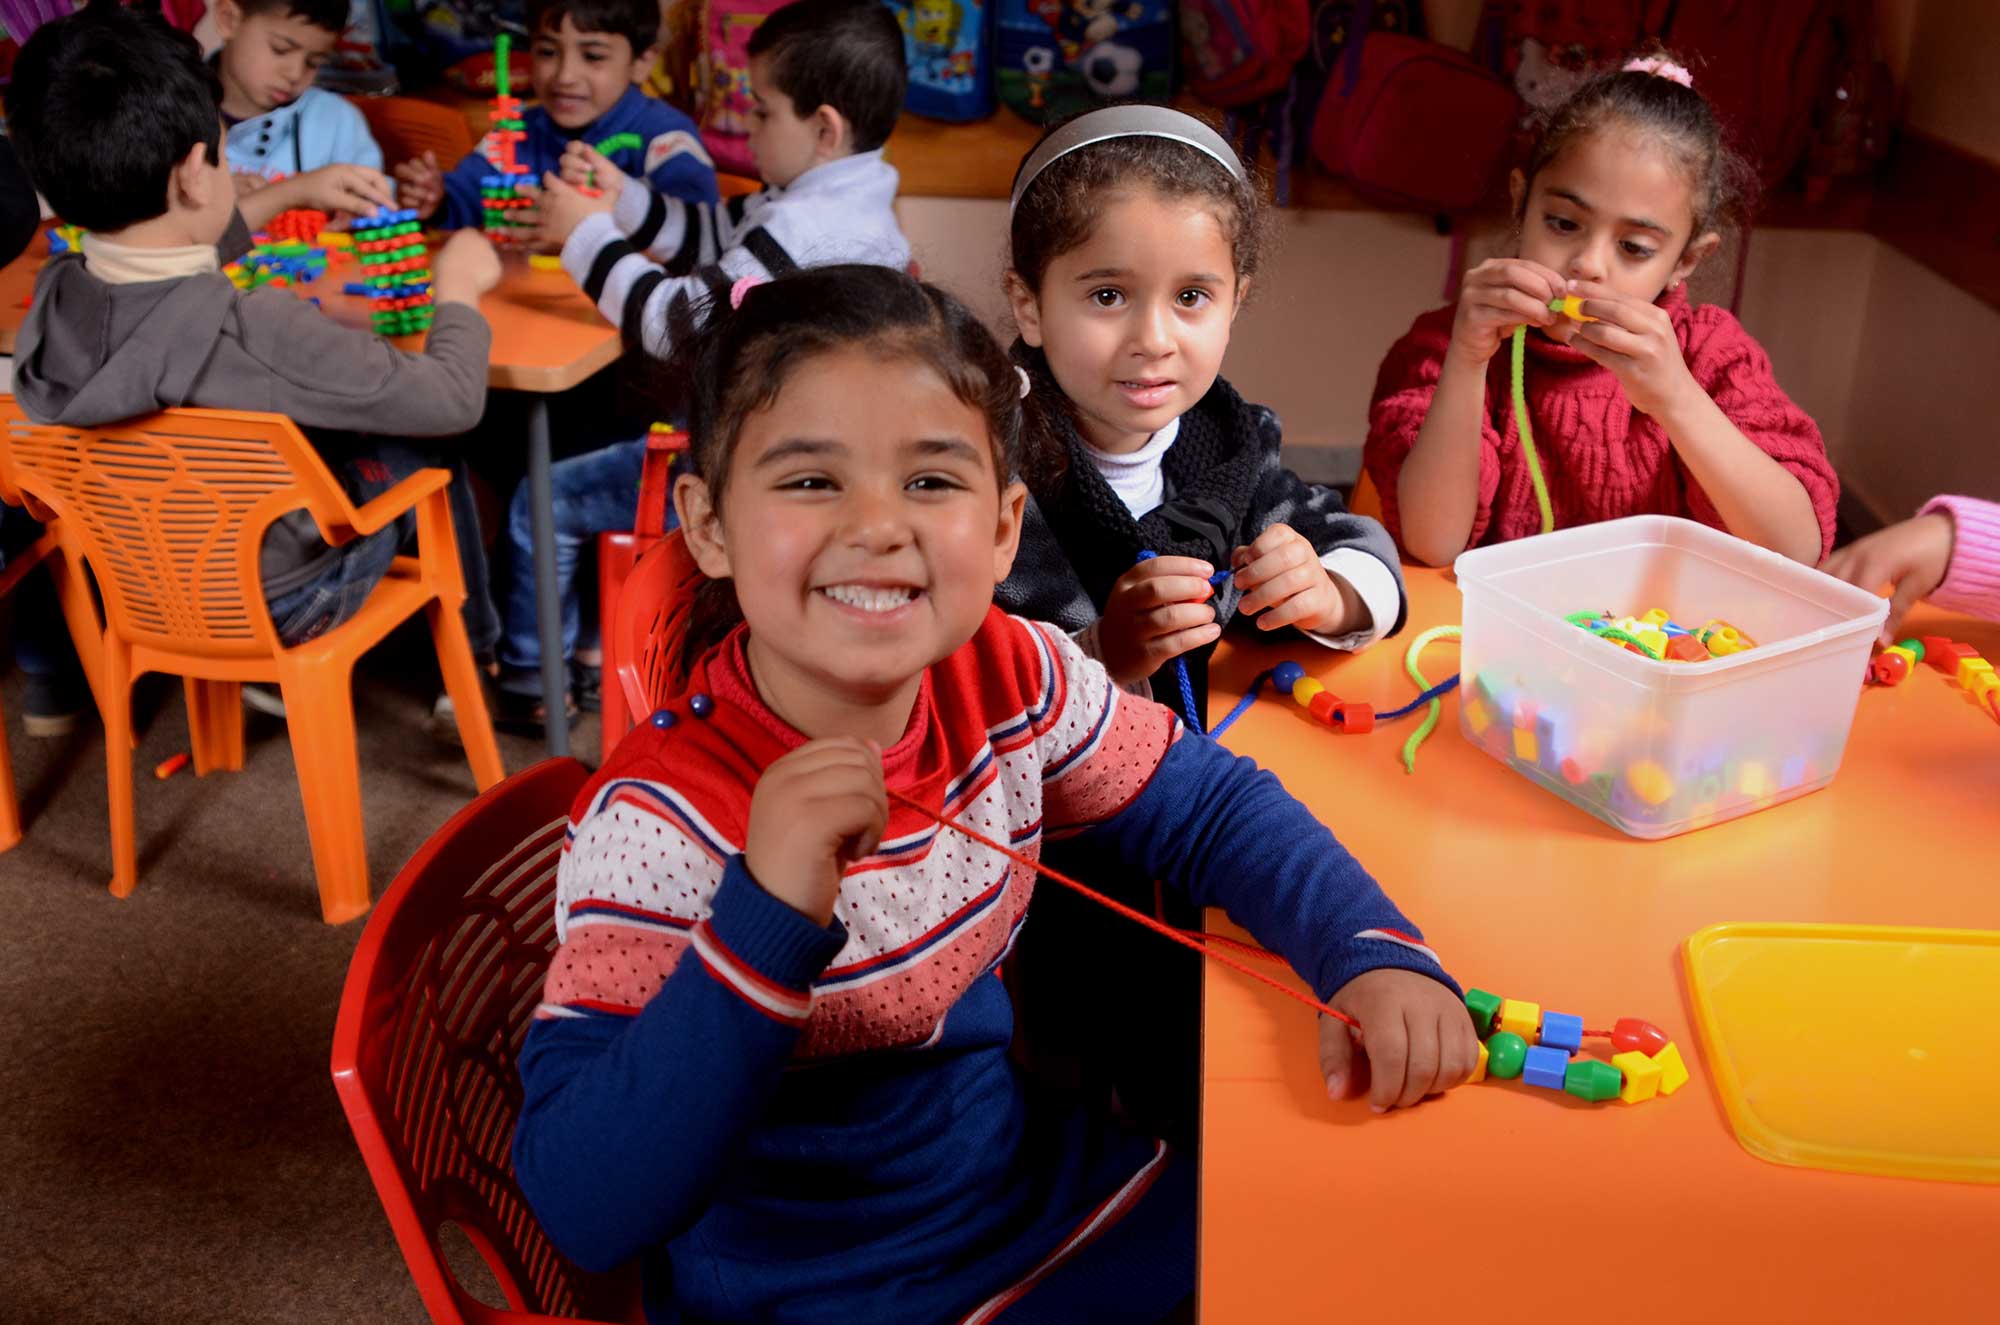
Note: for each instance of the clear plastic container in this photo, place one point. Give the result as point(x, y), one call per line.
point(1657, 748)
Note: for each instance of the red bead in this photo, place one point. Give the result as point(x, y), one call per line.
point(1355, 717)
point(1630, 1033)
point(1323, 704)
point(1888, 669)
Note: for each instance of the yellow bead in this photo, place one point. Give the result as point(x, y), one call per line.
point(1673, 1072)
point(1522, 1019)
point(1656, 640)
point(1642, 1075)
point(1479, 1073)
point(1649, 782)
point(1657, 617)
point(1755, 782)
point(1971, 667)
point(1477, 715)
point(1304, 689)
point(1524, 745)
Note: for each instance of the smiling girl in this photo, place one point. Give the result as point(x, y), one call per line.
point(1654, 406)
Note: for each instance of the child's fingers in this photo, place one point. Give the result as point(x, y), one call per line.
point(1156, 566)
point(1141, 593)
point(1281, 588)
point(1388, 1047)
point(1172, 618)
point(1337, 1059)
point(1290, 611)
point(1163, 649)
point(1421, 1063)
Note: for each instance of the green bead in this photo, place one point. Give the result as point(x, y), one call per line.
point(1914, 646)
point(1591, 1079)
point(1505, 1053)
point(1484, 1007)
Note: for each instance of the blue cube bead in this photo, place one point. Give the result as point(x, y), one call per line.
point(1286, 675)
point(1545, 1067)
point(1562, 1031)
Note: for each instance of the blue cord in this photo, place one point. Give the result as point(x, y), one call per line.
point(1442, 688)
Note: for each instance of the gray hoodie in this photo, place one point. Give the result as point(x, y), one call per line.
point(91, 352)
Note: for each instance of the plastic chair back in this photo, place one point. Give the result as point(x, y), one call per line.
point(170, 512)
point(407, 127)
point(652, 619)
point(617, 552)
point(436, 1006)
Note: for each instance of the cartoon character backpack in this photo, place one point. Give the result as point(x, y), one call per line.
point(1054, 58)
point(948, 46)
point(722, 79)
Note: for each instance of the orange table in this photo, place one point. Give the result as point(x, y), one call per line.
point(1508, 1203)
point(17, 282)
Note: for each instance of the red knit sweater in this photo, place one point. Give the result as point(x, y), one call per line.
point(1602, 458)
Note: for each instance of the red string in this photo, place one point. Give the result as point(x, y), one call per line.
point(1199, 942)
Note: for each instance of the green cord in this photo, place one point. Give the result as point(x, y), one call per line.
point(1613, 633)
point(1430, 722)
point(1527, 432)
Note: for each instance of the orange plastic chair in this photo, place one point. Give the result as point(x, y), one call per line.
point(1366, 500)
point(436, 1006)
point(617, 552)
point(651, 612)
point(169, 513)
point(407, 127)
point(734, 186)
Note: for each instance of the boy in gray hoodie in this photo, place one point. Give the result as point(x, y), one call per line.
point(115, 117)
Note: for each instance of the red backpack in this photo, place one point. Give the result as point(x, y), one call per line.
point(1239, 51)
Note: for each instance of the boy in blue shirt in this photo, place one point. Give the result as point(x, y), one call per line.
point(279, 123)
point(586, 62)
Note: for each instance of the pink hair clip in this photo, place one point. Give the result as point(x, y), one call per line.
point(1660, 67)
point(744, 285)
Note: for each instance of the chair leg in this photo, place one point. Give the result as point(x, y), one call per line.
point(468, 697)
point(117, 715)
point(319, 707)
point(10, 807)
point(215, 725)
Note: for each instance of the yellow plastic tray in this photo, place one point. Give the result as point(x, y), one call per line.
point(1861, 1048)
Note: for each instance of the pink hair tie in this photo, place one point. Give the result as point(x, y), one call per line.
point(744, 285)
point(1660, 67)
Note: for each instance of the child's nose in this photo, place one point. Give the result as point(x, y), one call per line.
point(875, 521)
point(1586, 264)
point(1152, 330)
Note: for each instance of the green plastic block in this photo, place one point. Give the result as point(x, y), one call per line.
point(1484, 1007)
point(1592, 1079)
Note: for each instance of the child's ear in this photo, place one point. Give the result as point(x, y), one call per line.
point(1692, 255)
point(1007, 534)
point(1027, 309)
point(833, 136)
point(1242, 296)
point(193, 181)
point(701, 526)
point(642, 64)
point(228, 18)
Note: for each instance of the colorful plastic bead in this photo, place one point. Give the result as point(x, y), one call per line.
point(1632, 1035)
point(1946, 654)
point(1285, 675)
point(1484, 1007)
point(1642, 1076)
point(1652, 640)
point(1649, 782)
point(1479, 1072)
point(1525, 748)
point(700, 705)
point(1477, 715)
point(1505, 1054)
point(1971, 667)
point(1673, 1072)
point(1355, 717)
point(1562, 1031)
point(1888, 668)
point(1593, 1079)
point(1323, 704)
point(1304, 689)
point(1545, 1067)
point(1551, 742)
point(1656, 617)
point(1686, 648)
point(1522, 1019)
point(1910, 656)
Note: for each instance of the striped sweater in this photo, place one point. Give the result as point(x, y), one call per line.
point(654, 265)
point(807, 1123)
point(1972, 580)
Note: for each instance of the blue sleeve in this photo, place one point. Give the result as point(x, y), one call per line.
point(628, 1124)
point(685, 174)
point(687, 177)
point(352, 142)
point(460, 208)
point(1228, 834)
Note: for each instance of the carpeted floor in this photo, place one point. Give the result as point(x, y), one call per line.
point(170, 1144)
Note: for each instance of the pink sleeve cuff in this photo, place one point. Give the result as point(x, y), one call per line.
point(1972, 582)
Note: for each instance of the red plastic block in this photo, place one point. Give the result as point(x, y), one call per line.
point(1355, 717)
point(1323, 704)
point(1946, 656)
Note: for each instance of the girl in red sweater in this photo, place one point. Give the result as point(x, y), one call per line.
point(1649, 405)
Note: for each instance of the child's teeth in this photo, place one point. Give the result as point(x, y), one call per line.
point(869, 600)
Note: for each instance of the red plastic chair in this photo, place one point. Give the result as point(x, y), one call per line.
point(436, 1005)
point(617, 553)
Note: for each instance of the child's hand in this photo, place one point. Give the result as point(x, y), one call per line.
point(345, 188)
point(1281, 576)
point(815, 812)
point(1913, 556)
point(466, 267)
point(1634, 338)
point(1418, 1039)
point(1497, 296)
point(420, 181)
point(584, 167)
point(247, 184)
point(563, 208)
point(1156, 612)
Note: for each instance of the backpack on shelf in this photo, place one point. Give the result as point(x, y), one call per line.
point(1053, 58)
point(722, 79)
point(1237, 52)
point(360, 63)
point(948, 47)
point(453, 38)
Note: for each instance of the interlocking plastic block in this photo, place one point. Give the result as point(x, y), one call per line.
point(1642, 1076)
point(1651, 639)
point(1686, 648)
point(1479, 1072)
point(1525, 748)
point(1673, 1072)
point(1649, 782)
point(1632, 1035)
point(1971, 667)
point(1323, 704)
point(1562, 1031)
point(1522, 1019)
point(1593, 1079)
point(1545, 1067)
point(1304, 689)
point(1484, 1007)
point(1945, 654)
point(1505, 1053)
point(1285, 675)
point(1552, 743)
point(1355, 717)
point(1573, 772)
point(1478, 715)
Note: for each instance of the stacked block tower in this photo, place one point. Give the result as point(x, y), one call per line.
point(502, 202)
point(395, 271)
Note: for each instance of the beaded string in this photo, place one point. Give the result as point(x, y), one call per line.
point(1191, 709)
point(1208, 945)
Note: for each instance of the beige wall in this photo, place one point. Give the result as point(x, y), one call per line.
point(1950, 51)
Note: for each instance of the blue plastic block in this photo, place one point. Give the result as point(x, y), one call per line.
point(1562, 1031)
point(1552, 744)
point(354, 287)
point(1545, 1067)
point(1792, 773)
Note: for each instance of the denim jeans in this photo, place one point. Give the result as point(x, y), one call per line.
point(337, 594)
point(41, 638)
point(593, 492)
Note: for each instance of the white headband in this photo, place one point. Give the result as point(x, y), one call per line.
point(1134, 121)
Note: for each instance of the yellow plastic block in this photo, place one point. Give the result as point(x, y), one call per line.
point(1477, 716)
point(1479, 1073)
point(1649, 782)
point(1304, 689)
point(1984, 684)
point(1673, 1072)
point(1908, 656)
point(1523, 1019)
point(1656, 617)
point(1971, 667)
point(1525, 748)
point(1651, 638)
point(1642, 1075)
point(545, 262)
point(1754, 781)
